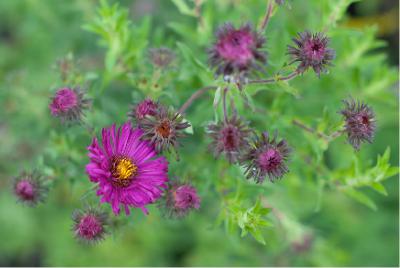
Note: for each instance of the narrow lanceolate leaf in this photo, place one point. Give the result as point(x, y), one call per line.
point(379, 188)
point(360, 197)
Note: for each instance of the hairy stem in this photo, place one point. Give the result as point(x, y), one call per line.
point(310, 130)
point(194, 96)
point(267, 15)
point(224, 105)
point(273, 80)
point(328, 138)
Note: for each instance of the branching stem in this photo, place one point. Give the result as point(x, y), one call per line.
point(273, 80)
point(194, 96)
point(267, 15)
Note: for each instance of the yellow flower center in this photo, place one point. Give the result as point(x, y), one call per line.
point(123, 168)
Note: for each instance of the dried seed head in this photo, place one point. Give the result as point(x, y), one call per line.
point(69, 104)
point(30, 188)
point(164, 129)
point(236, 51)
point(179, 200)
point(266, 156)
point(311, 51)
point(90, 225)
point(229, 138)
point(161, 57)
point(360, 123)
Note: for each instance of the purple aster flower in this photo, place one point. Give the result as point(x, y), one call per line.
point(147, 107)
point(266, 157)
point(360, 122)
point(179, 200)
point(236, 51)
point(30, 188)
point(164, 128)
point(312, 51)
point(89, 224)
point(126, 168)
point(229, 138)
point(161, 57)
point(68, 104)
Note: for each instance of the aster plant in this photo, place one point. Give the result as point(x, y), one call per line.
point(129, 163)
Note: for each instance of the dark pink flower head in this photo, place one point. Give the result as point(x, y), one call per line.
point(180, 199)
point(30, 188)
point(90, 225)
point(266, 157)
point(360, 123)
point(164, 129)
point(311, 51)
point(236, 50)
point(126, 168)
point(147, 107)
point(229, 138)
point(68, 104)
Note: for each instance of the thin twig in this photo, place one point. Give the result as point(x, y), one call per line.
point(194, 96)
point(273, 80)
point(267, 15)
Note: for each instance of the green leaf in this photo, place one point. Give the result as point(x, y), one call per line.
point(360, 197)
point(188, 55)
point(379, 188)
point(257, 235)
point(184, 8)
point(288, 88)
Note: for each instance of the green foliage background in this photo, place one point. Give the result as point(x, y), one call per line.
point(338, 197)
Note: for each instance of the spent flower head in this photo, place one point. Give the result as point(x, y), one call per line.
point(30, 188)
point(360, 123)
point(179, 199)
point(229, 137)
point(311, 50)
point(89, 224)
point(164, 129)
point(69, 104)
point(266, 156)
point(161, 57)
point(236, 51)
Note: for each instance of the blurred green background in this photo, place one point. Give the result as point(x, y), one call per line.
point(35, 34)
